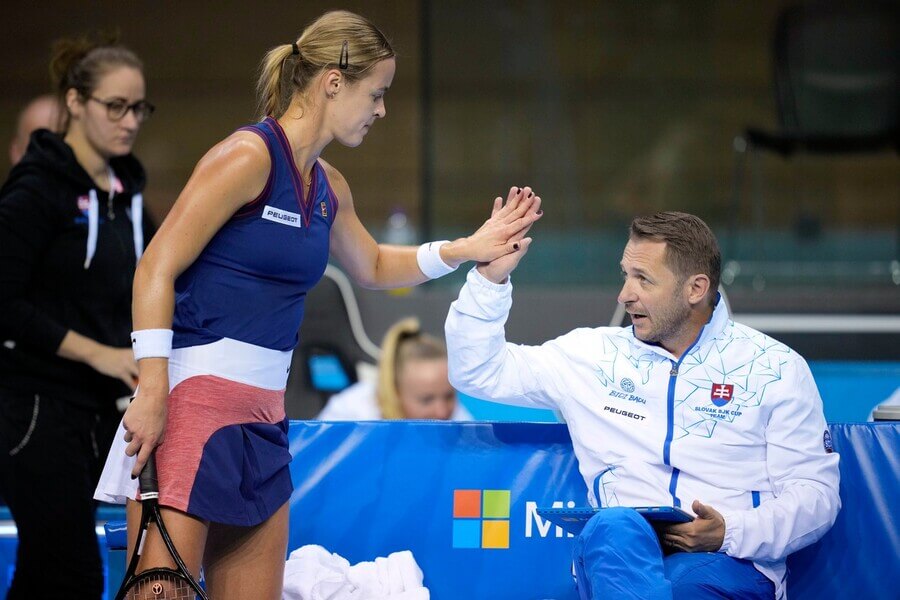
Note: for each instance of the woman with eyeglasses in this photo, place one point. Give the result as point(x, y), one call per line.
point(72, 228)
point(219, 296)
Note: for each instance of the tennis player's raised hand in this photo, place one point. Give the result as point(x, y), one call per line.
point(498, 270)
point(501, 233)
point(145, 419)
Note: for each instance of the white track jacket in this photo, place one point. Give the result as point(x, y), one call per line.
point(736, 423)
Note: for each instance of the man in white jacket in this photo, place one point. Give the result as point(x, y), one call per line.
point(684, 408)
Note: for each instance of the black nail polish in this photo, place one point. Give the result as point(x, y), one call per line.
point(517, 191)
point(515, 246)
point(540, 213)
point(530, 194)
point(134, 476)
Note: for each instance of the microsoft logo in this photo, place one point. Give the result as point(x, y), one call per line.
point(481, 519)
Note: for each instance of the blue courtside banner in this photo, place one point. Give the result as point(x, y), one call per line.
point(860, 555)
point(461, 497)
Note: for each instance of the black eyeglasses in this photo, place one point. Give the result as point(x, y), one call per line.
point(117, 109)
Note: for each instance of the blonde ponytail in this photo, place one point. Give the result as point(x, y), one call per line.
point(336, 40)
point(271, 91)
point(403, 342)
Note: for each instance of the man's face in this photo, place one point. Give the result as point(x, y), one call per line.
point(653, 295)
point(41, 113)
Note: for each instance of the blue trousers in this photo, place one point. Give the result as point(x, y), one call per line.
point(618, 555)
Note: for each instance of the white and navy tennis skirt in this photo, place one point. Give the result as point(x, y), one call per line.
point(224, 456)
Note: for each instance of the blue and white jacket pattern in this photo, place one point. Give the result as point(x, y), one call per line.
point(736, 422)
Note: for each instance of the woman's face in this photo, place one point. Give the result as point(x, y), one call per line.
point(355, 106)
point(107, 136)
point(425, 391)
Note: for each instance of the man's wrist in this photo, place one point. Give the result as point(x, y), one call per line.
point(484, 269)
point(733, 529)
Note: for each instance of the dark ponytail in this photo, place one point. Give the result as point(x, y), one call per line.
point(78, 63)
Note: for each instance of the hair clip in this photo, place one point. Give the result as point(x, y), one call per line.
point(295, 49)
point(344, 61)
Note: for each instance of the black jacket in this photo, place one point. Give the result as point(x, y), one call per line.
point(45, 287)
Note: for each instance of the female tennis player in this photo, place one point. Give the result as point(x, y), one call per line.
point(219, 294)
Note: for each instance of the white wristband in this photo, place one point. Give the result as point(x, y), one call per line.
point(430, 261)
point(151, 343)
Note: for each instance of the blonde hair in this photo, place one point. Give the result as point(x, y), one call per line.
point(80, 62)
point(404, 342)
point(336, 40)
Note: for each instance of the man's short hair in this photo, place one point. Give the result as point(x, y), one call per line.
point(691, 247)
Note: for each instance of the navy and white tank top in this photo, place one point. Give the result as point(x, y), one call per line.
point(251, 280)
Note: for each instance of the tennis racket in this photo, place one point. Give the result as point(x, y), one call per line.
point(159, 583)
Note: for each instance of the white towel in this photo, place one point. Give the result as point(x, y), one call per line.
point(313, 573)
point(116, 485)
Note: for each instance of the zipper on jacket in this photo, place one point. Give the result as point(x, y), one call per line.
point(670, 421)
point(110, 213)
point(670, 429)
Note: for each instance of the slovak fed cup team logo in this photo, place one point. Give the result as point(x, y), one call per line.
point(721, 393)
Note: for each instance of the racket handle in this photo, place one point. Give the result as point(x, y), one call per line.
point(148, 481)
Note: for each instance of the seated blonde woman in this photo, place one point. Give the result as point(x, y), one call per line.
point(412, 382)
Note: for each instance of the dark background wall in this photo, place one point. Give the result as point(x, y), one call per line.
point(201, 62)
point(609, 109)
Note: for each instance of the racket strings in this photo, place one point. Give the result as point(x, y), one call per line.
point(161, 587)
